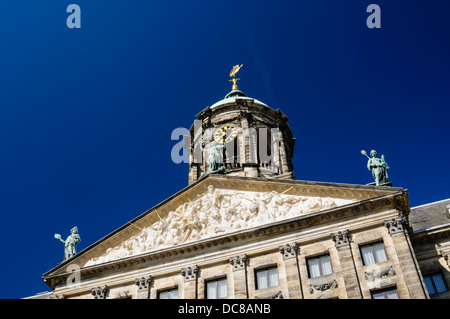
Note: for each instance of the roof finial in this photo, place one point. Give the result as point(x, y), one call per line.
point(233, 72)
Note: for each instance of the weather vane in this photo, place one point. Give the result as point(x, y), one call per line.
point(233, 72)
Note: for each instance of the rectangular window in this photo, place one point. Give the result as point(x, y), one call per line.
point(168, 294)
point(435, 283)
point(267, 277)
point(373, 253)
point(216, 289)
point(390, 293)
point(319, 266)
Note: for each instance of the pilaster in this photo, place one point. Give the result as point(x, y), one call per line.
point(289, 252)
point(283, 154)
point(239, 264)
point(190, 275)
point(144, 284)
point(397, 227)
point(342, 240)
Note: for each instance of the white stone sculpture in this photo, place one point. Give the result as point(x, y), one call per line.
point(215, 213)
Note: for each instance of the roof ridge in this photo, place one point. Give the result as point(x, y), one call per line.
point(436, 202)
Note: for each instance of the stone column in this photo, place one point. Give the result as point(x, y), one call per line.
point(144, 284)
point(248, 154)
point(190, 275)
point(343, 240)
point(239, 264)
point(283, 154)
point(275, 149)
point(397, 229)
point(289, 252)
point(193, 173)
point(245, 149)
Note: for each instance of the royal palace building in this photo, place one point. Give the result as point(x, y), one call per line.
point(245, 228)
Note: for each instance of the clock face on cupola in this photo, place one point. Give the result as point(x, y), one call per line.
point(240, 136)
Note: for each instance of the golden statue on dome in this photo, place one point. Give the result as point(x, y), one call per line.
point(233, 72)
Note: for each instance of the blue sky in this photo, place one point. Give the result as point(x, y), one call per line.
point(86, 115)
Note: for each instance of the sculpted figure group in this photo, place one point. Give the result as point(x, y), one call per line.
point(213, 214)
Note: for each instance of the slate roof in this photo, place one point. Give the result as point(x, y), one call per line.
point(429, 215)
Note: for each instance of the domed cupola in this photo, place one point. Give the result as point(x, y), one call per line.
point(240, 136)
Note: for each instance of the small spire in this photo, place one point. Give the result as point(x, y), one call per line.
point(233, 72)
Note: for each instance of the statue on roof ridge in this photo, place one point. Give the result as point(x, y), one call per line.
point(379, 168)
point(70, 244)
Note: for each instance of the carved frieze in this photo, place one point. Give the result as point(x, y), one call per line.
point(215, 213)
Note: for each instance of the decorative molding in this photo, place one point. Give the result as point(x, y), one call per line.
point(401, 202)
point(125, 294)
point(277, 295)
point(396, 225)
point(374, 274)
point(190, 273)
point(430, 237)
point(323, 286)
point(239, 262)
point(289, 250)
point(342, 238)
point(446, 255)
point(144, 282)
point(100, 292)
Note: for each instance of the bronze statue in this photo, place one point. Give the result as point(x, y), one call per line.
point(215, 157)
point(379, 168)
point(70, 244)
point(216, 147)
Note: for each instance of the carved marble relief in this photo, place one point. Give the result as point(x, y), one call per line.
point(378, 274)
point(277, 295)
point(322, 287)
point(215, 213)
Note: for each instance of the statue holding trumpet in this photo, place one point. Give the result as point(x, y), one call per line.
point(379, 168)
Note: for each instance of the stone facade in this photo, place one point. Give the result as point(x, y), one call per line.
point(431, 242)
point(373, 214)
point(255, 232)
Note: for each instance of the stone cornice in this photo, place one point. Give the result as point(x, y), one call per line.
point(431, 236)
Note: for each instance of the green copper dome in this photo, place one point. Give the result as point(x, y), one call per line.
point(231, 98)
point(235, 93)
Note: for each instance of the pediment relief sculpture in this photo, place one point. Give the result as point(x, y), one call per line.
point(217, 212)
